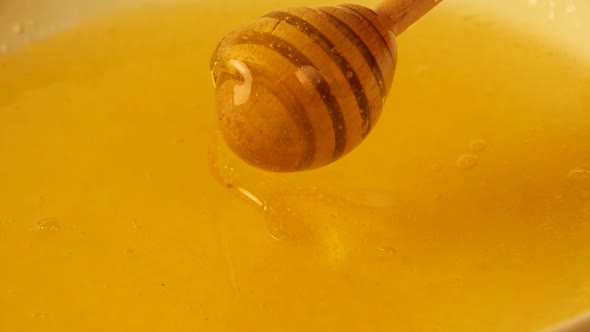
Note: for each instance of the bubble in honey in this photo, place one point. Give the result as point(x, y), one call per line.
point(467, 161)
point(39, 315)
point(478, 145)
point(48, 224)
point(388, 249)
point(579, 173)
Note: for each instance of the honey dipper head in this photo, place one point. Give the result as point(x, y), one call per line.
point(297, 89)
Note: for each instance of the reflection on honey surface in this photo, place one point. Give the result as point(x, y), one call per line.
point(466, 209)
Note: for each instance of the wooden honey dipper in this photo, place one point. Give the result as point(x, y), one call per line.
point(299, 88)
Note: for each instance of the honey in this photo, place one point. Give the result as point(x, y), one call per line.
point(121, 209)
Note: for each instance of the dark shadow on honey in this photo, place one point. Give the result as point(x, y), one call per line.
point(438, 238)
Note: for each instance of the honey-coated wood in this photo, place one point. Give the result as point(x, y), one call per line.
point(299, 88)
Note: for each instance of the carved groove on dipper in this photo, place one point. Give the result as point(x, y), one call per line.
point(290, 52)
point(355, 11)
point(330, 49)
point(360, 45)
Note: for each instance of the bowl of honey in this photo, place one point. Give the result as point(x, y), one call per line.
point(122, 207)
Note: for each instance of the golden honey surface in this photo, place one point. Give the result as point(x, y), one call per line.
point(466, 209)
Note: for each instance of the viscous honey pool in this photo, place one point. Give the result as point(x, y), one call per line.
point(466, 209)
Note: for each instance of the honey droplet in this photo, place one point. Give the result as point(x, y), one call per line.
point(467, 161)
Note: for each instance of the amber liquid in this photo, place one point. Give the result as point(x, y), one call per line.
point(466, 209)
